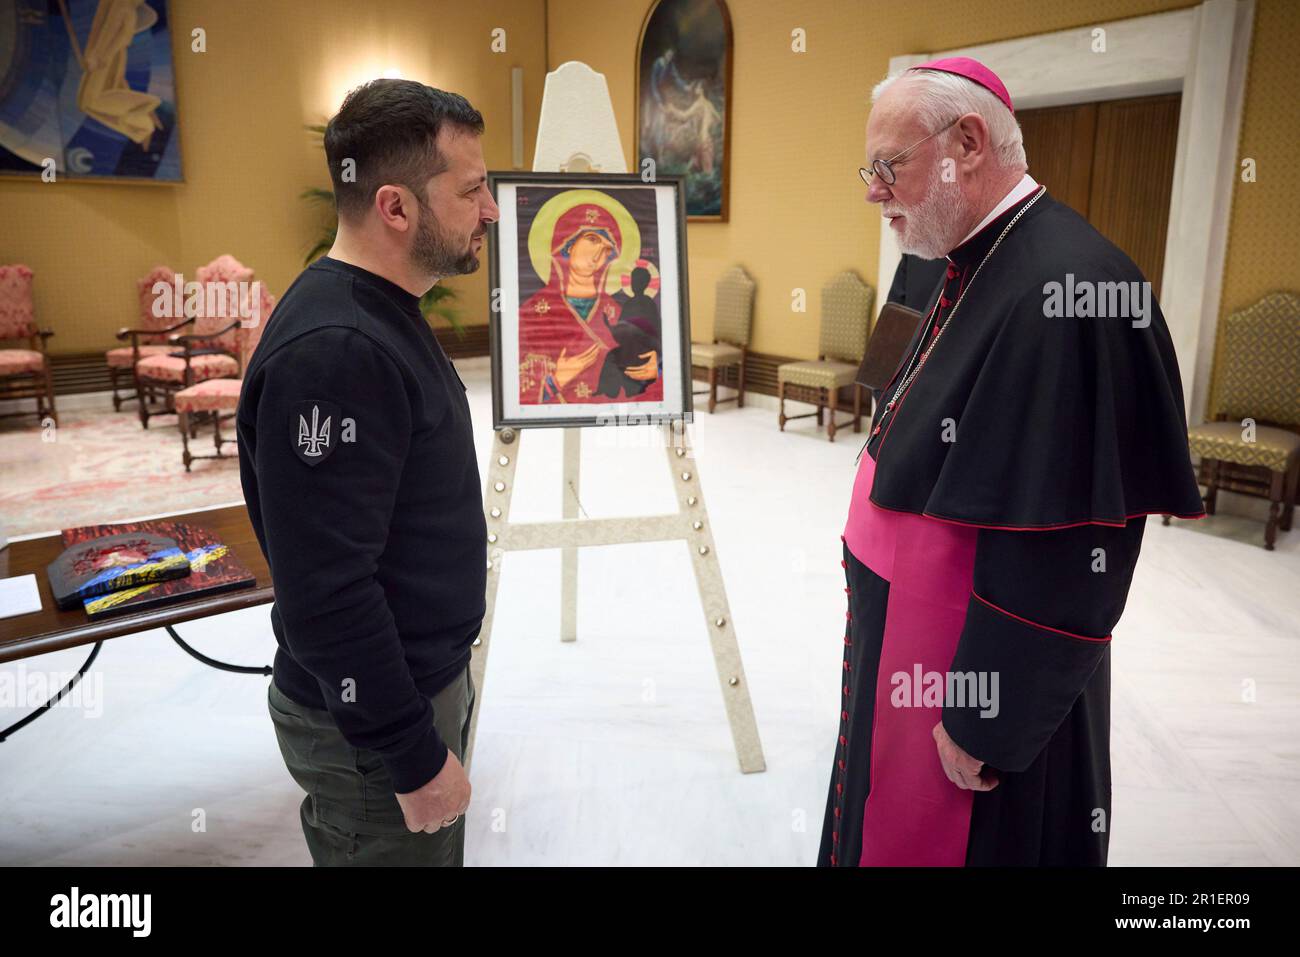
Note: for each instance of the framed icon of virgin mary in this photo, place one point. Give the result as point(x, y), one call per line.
point(590, 321)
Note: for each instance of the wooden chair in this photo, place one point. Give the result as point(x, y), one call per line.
point(1259, 379)
point(842, 340)
point(148, 339)
point(211, 351)
point(733, 315)
point(24, 373)
point(217, 400)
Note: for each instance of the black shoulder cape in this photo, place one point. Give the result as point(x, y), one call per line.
point(1024, 418)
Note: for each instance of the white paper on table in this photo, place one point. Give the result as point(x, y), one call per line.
point(19, 596)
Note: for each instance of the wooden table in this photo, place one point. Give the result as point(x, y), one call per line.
point(52, 630)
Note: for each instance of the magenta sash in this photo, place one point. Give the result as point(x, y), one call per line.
point(914, 815)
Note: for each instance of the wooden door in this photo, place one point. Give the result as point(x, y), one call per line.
point(1113, 162)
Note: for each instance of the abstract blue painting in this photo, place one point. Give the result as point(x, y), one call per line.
point(88, 90)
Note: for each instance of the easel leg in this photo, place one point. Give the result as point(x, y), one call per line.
point(690, 523)
point(496, 502)
point(569, 556)
point(713, 597)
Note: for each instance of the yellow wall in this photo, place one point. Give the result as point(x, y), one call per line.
point(798, 211)
point(797, 206)
point(271, 67)
point(1264, 229)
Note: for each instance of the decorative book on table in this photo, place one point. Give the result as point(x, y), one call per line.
point(99, 566)
point(213, 567)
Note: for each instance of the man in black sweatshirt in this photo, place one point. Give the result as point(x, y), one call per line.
point(358, 467)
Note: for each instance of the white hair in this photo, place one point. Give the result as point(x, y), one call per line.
point(938, 97)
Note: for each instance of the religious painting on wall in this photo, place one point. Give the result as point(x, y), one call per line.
point(88, 90)
point(590, 322)
point(683, 94)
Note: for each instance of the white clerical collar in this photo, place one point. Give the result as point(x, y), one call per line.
point(1018, 192)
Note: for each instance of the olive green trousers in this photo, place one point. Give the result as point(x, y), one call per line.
point(350, 816)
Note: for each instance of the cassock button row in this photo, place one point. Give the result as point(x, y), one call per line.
point(833, 862)
point(839, 787)
point(945, 302)
point(843, 740)
point(837, 812)
point(844, 716)
point(846, 691)
point(952, 271)
point(841, 764)
point(835, 837)
point(876, 430)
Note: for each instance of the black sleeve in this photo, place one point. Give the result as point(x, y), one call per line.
point(1039, 619)
point(898, 288)
point(326, 525)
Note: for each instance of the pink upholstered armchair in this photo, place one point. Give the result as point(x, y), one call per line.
point(148, 339)
point(211, 350)
point(24, 373)
point(218, 399)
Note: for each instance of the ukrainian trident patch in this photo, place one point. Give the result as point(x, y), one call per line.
point(314, 430)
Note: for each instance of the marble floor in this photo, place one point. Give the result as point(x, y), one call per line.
point(615, 749)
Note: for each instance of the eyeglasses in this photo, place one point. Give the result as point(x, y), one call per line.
point(885, 170)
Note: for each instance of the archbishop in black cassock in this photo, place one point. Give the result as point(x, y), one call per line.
point(998, 511)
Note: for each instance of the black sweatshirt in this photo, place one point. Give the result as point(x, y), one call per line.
point(358, 466)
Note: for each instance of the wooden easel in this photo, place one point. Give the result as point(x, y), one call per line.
point(570, 99)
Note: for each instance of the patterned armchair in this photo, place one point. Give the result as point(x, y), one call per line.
point(217, 399)
point(733, 315)
point(846, 319)
point(1260, 380)
point(211, 351)
point(24, 372)
point(149, 339)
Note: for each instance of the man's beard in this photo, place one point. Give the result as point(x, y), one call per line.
point(928, 226)
point(435, 253)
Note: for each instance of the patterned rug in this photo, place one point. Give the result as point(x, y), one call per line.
point(101, 466)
